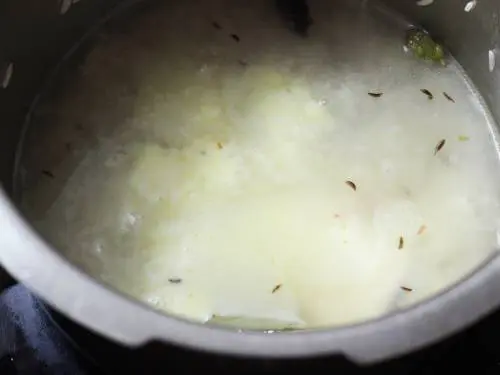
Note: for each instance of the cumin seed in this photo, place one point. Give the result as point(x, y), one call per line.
point(48, 173)
point(439, 146)
point(447, 96)
point(351, 184)
point(428, 93)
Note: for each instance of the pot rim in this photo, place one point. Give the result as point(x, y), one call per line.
point(47, 273)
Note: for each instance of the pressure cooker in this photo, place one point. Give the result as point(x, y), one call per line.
point(36, 34)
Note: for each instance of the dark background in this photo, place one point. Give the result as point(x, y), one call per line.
point(32, 343)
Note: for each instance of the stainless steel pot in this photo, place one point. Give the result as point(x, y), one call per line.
point(35, 34)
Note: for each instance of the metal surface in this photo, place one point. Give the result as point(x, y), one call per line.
point(34, 35)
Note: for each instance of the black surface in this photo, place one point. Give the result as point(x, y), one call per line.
point(5, 280)
point(32, 343)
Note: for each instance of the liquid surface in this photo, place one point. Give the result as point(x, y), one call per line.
point(211, 163)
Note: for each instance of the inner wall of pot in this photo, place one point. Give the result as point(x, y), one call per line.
point(34, 36)
point(470, 36)
point(470, 29)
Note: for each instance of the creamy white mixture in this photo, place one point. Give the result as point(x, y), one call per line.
point(259, 179)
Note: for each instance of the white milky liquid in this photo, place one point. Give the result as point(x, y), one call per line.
point(221, 180)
